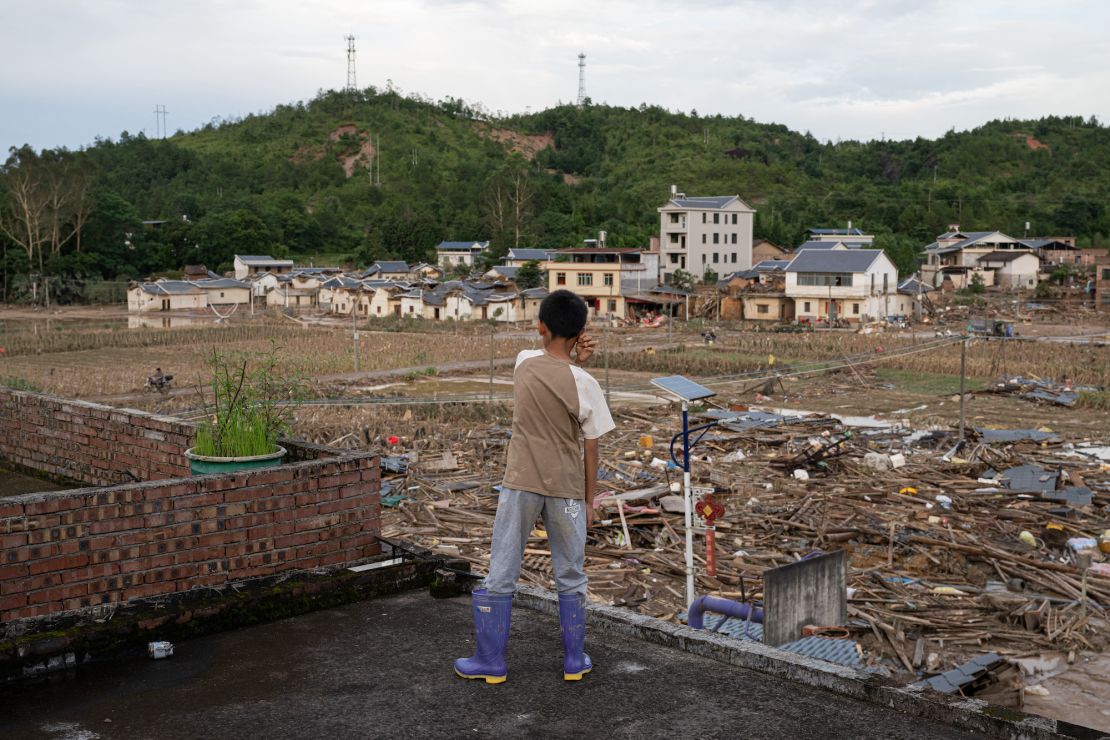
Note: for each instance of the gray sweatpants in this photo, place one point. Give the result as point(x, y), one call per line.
point(565, 522)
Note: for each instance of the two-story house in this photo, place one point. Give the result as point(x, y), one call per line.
point(699, 234)
point(956, 257)
point(451, 254)
point(607, 278)
point(250, 264)
point(850, 284)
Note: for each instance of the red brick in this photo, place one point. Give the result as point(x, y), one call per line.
point(11, 601)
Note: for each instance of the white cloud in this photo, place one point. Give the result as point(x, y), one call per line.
point(851, 69)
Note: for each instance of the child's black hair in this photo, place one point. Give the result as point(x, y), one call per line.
point(564, 314)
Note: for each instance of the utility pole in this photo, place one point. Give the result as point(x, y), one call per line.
point(354, 325)
point(160, 121)
point(492, 329)
point(608, 320)
point(581, 80)
point(963, 376)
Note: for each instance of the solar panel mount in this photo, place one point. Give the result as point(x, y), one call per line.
point(682, 388)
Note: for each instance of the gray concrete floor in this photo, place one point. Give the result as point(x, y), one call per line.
point(383, 669)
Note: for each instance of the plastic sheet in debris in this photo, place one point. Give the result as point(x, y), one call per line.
point(1060, 398)
point(1017, 435)
point(741, 421)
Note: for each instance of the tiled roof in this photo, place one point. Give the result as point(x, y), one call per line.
point(714, 202)
point(835, 232)
point(913, 286)
point(390, 266)
point(261, 259)
point(529, 254)
point(1003, 255)
point(460, 246)
point(843, 260)
point(220, 283)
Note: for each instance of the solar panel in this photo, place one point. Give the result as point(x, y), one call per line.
point(683, 388)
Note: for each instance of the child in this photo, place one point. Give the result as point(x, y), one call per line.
point(547, 473)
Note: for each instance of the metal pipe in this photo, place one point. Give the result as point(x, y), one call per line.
point(729, 608)
point(687, 504)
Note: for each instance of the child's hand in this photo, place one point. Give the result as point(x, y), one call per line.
point(586, 346)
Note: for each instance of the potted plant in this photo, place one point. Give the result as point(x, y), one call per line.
point(251, 413)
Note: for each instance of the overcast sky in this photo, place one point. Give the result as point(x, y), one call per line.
point(72, 70)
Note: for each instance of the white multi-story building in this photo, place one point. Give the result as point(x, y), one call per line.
point(705, 233)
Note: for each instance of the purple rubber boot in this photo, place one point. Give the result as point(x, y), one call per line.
point(492, 615)
point(572, 623)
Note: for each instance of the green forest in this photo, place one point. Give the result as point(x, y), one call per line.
point(355, 176)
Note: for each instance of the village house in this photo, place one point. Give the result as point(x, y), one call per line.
point(609, 279)
point(502, 272)
point(1062, 250)
point(763, 249)
point(451, 254)
point(388, 270)
point(757, 294)
point(299, 290)
point(1012, 268)
point(953, 260)
point(250, 264)
point(911, 296)
point(855, 285)
point(186, 295)
point(1102, 284)
point(699, 234)
point(336, 290)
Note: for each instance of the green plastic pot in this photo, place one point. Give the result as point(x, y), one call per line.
point(203, 464)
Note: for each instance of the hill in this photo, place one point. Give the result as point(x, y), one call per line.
point(363, 175)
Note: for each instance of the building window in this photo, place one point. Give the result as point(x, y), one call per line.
point(674, 258)
point(734, 258)
point(716, 238)
point(612, 306)
point(674, 218)
point(764, 308)
point(703, 259)
point(826, 279)
point(734, 218)
point(607, 278)
point(703, 238)
point(703, 218)
point(734, 238)
point(585, 279)
point(715, 258)
point(716, 218)
point(674, 238)
point(560, 278)
point(805, 307)
point(886, 284)
point(855, 309)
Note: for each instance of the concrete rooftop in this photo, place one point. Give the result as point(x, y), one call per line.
point(382, 668)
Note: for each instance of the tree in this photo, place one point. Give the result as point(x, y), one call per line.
point(709, 276)
point(46, 204)
point(682, 280)
point(530, 275)
point(508, 204)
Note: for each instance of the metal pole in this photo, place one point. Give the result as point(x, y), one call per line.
point(687, 504)
point(963, 368)
point(606, 339)
point(354, 327)
point(491, 330)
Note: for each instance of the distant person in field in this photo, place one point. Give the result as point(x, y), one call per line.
point(549, 472)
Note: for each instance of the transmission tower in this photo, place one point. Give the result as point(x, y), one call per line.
point(581, 80)
point(351, 85)
point(160, 121)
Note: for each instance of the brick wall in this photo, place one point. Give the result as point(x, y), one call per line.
point(88, 442)
point(67, 550)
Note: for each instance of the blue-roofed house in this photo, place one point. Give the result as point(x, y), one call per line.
point(250, 264)
point(450, 254)
point(956, 257)
point(698, 234)
point(856, 285)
